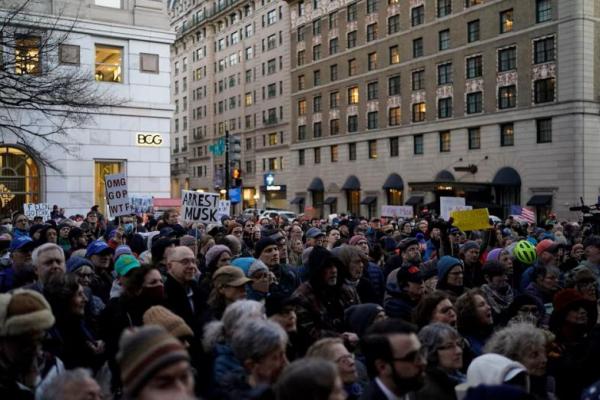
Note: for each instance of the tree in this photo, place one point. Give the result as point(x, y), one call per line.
point(44, 96)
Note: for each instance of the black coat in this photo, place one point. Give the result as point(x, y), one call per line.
point(177, 301)
point(438, 386)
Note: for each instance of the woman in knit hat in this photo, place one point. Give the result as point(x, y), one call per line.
point(216, 257)
point(450, 276)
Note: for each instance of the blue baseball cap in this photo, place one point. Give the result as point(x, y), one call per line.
point(21, 243)
point(97, 247)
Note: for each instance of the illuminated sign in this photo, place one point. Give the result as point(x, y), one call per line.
point(274, 188)
point(148, 139)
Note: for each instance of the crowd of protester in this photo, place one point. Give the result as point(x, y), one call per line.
point(340, 308)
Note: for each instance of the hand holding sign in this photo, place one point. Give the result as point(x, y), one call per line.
point(117, 195)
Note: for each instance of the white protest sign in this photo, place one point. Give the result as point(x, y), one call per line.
point(200, 207)
point(224, 207)
point(449, 204)
point(117, 196)
point(397, 211)
point(32, 210)
point(141, 203)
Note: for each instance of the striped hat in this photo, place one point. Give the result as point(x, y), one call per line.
point(145, 351)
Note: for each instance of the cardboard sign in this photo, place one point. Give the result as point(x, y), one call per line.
point(141, 204)
point(404, 212)
point(32, 210)
point(310, 213)
point(224, 208)
point(200, 207)
point(449, 204)
point(117, 196)
point(471, 220)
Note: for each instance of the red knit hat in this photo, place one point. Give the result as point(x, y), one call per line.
point(567, 298)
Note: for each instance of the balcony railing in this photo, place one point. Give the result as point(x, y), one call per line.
point(209, 12)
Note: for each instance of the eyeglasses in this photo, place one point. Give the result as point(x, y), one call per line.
point(413, 356)
point(459, 344)
point(186, 261)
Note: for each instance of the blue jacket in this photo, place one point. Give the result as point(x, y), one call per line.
point(225, 363)
point(375, 275)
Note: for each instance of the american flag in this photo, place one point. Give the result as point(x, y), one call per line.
point(522, 213)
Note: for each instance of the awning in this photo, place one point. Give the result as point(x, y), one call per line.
point(540, 200)
point(352, 183)
point(330, 200)
point(507, 176)
point(394, 181)
point(444, 176)
point(316, 185)
point(414, 200)
point(166, 203)
point(297, 200)
point(369, 200)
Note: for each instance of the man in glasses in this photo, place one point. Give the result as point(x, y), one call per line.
point(395, 360)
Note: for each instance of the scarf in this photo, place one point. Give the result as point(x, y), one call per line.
point(498, 301)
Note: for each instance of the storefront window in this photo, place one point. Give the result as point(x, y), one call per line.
point(394, 197)
point(19, 180)
point(353, 201)
point(317, 201)
point(101, 169)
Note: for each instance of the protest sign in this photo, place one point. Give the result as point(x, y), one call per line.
point(141, 204)
point(224, 208)
point(449, 204)
point(397, 211)
point(32, 210)
point(116, 195)
point(200, 207)
point(471, 220)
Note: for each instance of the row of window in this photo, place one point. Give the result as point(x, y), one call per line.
point(506, 131)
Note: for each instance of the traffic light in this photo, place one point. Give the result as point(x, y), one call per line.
point(236, 177)
point(235, 148)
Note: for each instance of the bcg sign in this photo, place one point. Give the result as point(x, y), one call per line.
point(148, 139)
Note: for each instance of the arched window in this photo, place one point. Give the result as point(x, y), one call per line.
point(19, 180)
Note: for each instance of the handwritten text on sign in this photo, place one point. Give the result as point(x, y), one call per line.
point(117, 195)
point(200, 207)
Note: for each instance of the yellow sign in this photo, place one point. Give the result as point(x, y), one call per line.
point(471, 220)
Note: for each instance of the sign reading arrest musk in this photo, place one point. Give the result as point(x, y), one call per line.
point(200, 207)
point(116, 195)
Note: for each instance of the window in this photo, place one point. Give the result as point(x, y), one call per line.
point(248, 31)
point(271, 66)
point(444, 74)
point(109, 64)
point(371, 6)
point(271, 42)
point(271, 17)
point(301, 82)
point(316, 77)
point(394, 85)
point(333, 72)
point(353, 95)
point(507, 97)
point(316, 27)
point(334, 153)
point(473, 31)
point(317, 154)
point(444, 142)
point(393, 24)
point(372, 61)
point(249, 75)
point(418, 80)
point(417, 15)
point(273, 139)
point(474, 67)
point(445, 107)
point(544, 130)
point(352, 123)
point(444, 39)
point(334, 127)
point(372, 90)
point(300, 33)
point(444, 7)
point(507, 59)
point(317, 130)
point(332, 20)
point(70, 54)
point(351, 12)
point(507, 135)
point(352, 67)
point(352, 151)
point(108, 3)
point(543, 10)
point(418, 144)
point(394, 116)
point(474, 102)
point(506, 21)
point(543, 50)
point(301, 157)
point(469, 3)
point(317, 52)
point(317, 104)
point(302, 107)
point(334, 99)
point(544, 90)
point(418, 47)
point(418, 112)
point(371, 32)
point(302, 132)
point(394, 55)
point(300, 58)
point(333, 46)
point(351, 39)
point(394, 147)
point(372, 149)
point(474, 138)
point(372, 120)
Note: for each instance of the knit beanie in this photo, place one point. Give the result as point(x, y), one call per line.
point(358, 318)
point(469, 244)
point(215, 252)
point(122, 249)
point(263, 244)
point(494, 255)
point(257, 266)
point(24, 311)
point(174, 324)
point(145, 351)
point(355, 239)
point(187, 240)
point(76, 262)
point(444, 266)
